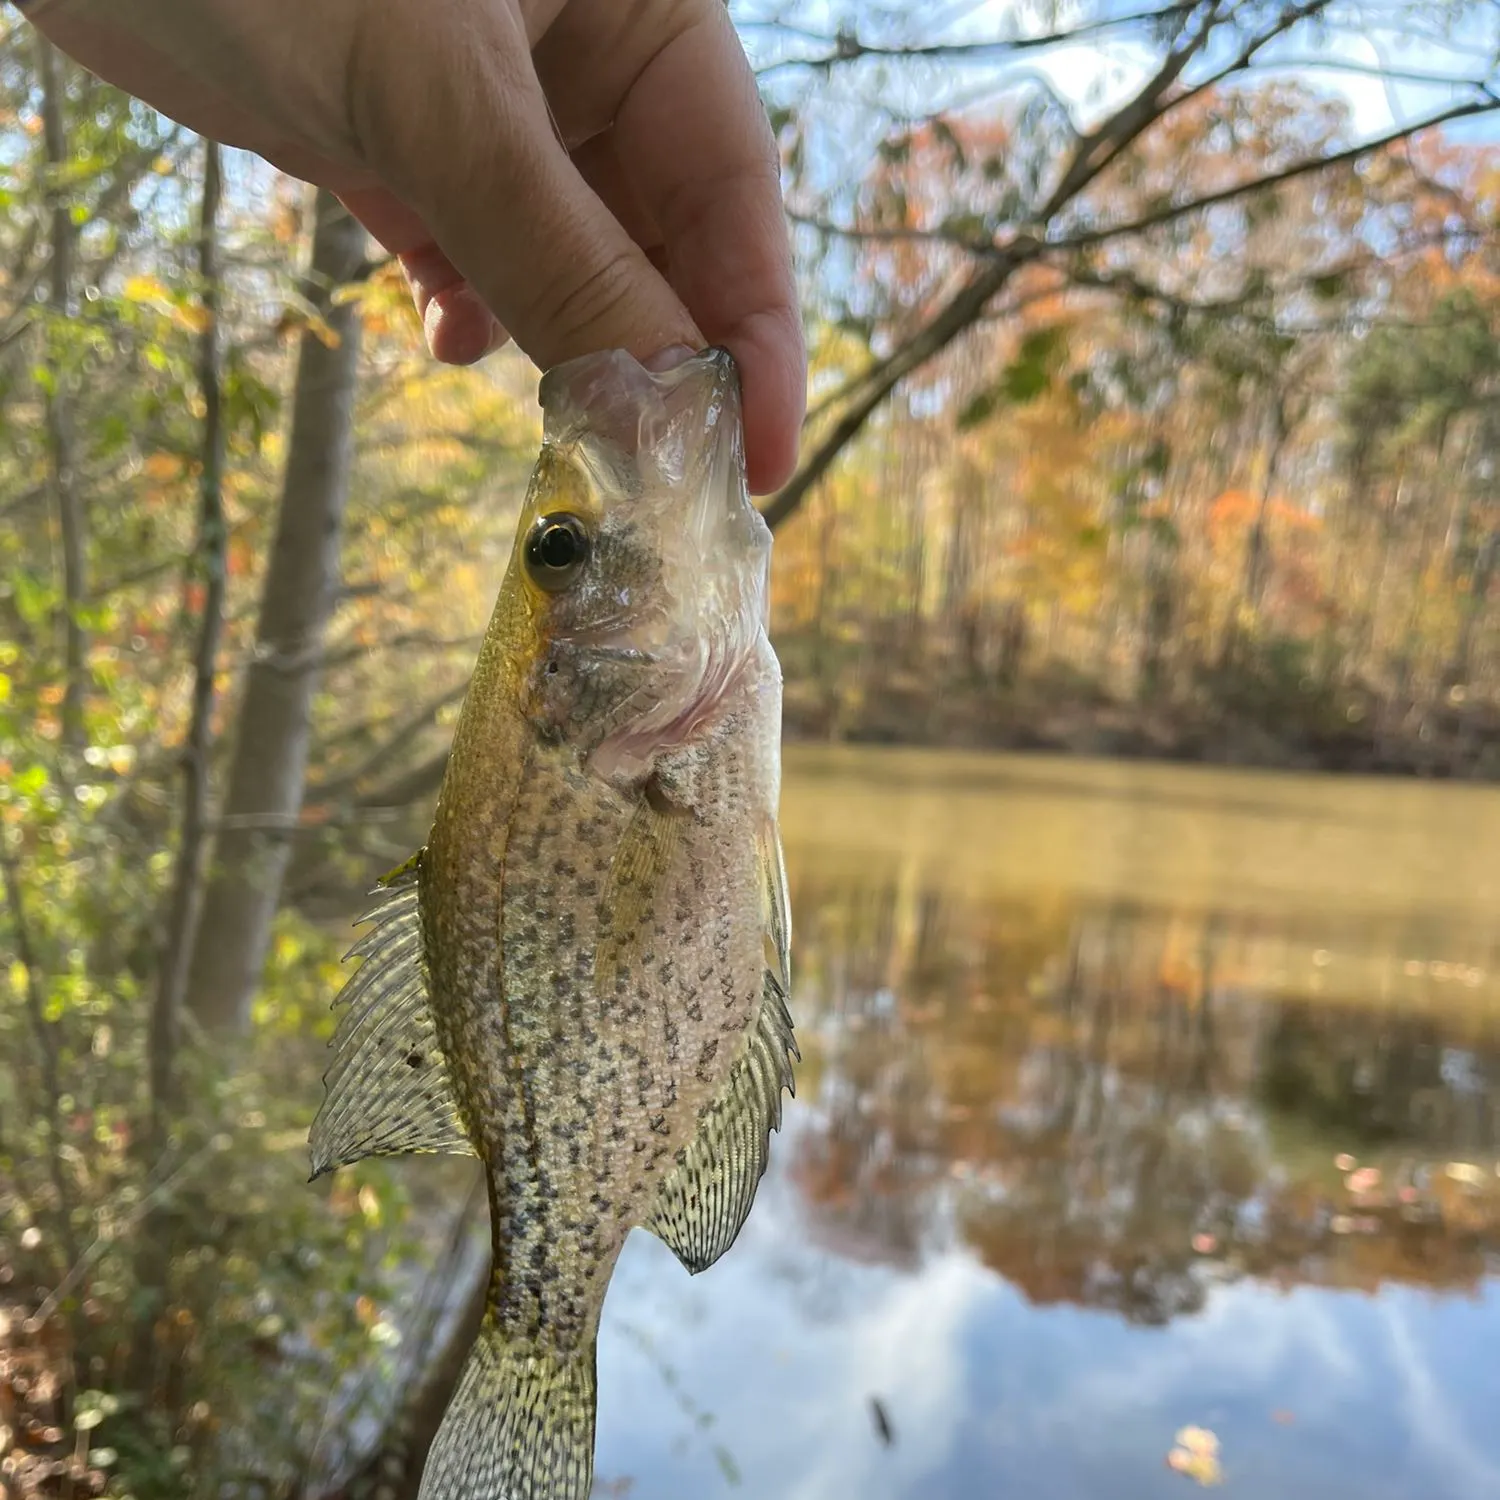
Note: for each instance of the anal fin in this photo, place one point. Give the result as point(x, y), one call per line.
point(388, 1091)
point(704, 1201)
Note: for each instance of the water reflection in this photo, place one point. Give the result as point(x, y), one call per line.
point(1070, 1169)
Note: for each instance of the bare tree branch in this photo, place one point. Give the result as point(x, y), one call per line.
point(864, 395)
point(961, 310)
point(1304, 168)
point(1100, 146)
point(392, 746)
point(846, 47)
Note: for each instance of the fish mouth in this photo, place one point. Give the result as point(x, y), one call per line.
point(611, 395)
point(638, 431)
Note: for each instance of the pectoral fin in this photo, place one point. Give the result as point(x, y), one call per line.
point(389, 1090)
point(705, 1200)
point(635, 874)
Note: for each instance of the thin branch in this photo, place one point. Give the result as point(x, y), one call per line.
point(392, 746)
point(420, 781)
point(961, 310)
point(1100, 146)
point(1311, 62)
point(312, 818)
point(1029, 247)
point(59, 418)
point(847, 48)
point(1245, 59)
point(414, 640)
point(1305, 168)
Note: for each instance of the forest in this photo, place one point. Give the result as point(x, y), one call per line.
point(1154, 411)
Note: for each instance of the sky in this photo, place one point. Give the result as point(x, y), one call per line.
point(1094, 75)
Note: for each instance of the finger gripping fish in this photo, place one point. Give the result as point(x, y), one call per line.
point(582, 976)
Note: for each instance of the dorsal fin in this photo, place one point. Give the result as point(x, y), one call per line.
point(388, 1090)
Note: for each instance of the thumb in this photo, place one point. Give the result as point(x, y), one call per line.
point(468, 143)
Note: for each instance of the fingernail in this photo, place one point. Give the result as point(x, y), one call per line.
point(670, 358)
point(432, 316)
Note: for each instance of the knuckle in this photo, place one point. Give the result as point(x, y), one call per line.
point(572, 307)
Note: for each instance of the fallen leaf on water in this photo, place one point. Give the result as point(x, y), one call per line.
point(1197, 1456)
point(1466, 1173)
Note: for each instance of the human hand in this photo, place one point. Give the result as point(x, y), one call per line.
point(573, 174)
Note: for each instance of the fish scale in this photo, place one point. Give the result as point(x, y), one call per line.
point(582, 977)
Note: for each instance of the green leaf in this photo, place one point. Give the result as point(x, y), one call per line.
point(978, 409)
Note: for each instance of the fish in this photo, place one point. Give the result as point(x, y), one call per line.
point(583, 975)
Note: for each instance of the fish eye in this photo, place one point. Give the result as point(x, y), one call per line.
point(556, 551)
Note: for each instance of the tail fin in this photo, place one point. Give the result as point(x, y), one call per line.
point(520, 1425)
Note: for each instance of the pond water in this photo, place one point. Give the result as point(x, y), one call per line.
point(1134, 1098)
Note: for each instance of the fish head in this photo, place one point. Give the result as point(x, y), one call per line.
point(643, 565)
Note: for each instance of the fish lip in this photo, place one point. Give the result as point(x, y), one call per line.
point(610, 397)
point(558, 383)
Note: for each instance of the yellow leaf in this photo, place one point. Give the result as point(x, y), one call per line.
point(146, 289)
point(323, 333)
point(193, 316)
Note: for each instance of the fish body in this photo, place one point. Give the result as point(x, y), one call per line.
point(582, 976)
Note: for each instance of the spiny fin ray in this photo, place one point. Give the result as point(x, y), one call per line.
point(388, 1090)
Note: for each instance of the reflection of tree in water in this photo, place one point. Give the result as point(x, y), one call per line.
point(1103, 1110)
point(1407, 1082)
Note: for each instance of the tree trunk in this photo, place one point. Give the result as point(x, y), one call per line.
point(187, 880)
point(270, 761)
point(59, 417)
point(1472, 609)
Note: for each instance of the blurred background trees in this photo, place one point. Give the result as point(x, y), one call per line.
point(1155, 408)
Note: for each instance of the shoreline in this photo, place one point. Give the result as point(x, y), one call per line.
point(1447, 745)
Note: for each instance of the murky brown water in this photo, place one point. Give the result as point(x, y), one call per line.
point(1088, 1051)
